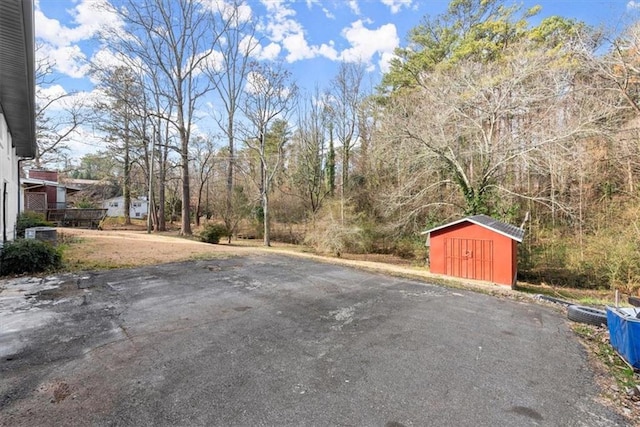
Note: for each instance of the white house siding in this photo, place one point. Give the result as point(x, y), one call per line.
point(8, 175)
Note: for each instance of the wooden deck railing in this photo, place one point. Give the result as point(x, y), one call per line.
point(76, 217)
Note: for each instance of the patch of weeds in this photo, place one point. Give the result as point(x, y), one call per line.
point(78, 265)
point(599, 338)
point(623, 384)
point(545, 290)
point(68, 239)
point(594, 302)
point(209, 256)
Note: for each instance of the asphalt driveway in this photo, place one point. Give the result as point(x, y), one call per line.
point(272, 340)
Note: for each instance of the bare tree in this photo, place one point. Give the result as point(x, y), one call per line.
point(236, 44)
point(347, 95)
point(269, 101)
point(310, 151)
point(470, 128)
point(174, 38)
point(122, 115)
point(203, 160)
point(58, 115)
point(617, 73)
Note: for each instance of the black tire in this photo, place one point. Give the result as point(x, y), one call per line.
point(634, 301)
point(588, 315)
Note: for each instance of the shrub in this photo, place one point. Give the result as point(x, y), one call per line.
point(213, 232)
point(28, 256)
point(86, 204)
point(337, 232)
point(30, 219)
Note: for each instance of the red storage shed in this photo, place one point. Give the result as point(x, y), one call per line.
point(477, 247)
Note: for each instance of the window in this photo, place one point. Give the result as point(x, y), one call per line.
point(113, 204)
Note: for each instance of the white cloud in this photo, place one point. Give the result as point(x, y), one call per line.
point(633, 5)
point(281, 23)
point(256, 83)
point(366, 43)
point(251, 45)
point(241, 12)
point(90, 16)
point(385, 61)
point(47, 29)
point(283, 28)
point(105, 58)
point(328, 13)
point(210, 60)
point(84, 141)
point(60, 42)
point(69, 60)
point(396, 5)
point(354, 6)
point(50, 94)
point(269, 52)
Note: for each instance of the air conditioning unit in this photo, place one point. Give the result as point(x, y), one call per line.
point(47, 234)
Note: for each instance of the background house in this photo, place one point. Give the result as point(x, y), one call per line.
point(43, 192)
point(115, 207)
point(17, 105)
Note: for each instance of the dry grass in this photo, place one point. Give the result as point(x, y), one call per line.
point(91, 249)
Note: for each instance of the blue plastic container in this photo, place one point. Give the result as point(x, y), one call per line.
point(624, 331)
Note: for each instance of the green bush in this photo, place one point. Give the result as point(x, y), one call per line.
point(28, 220)
point(28, 256)
point(86, 204)
point(213, 232)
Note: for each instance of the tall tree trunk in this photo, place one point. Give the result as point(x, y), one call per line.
point(266, 218)
point(230, 167)
point(162, 180)
point(346, 154)
point(185, 227)
point(331, 164)
point(127, 172)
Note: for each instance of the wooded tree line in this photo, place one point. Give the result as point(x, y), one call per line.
point(482, 112)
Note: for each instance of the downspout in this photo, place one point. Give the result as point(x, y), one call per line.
point(15, 234)
point(4, 212)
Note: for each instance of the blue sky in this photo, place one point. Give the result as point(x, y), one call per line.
point(311, 36)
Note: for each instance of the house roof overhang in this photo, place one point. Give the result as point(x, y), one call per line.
point(508, 230)
point(28, 184)
point(17, 75)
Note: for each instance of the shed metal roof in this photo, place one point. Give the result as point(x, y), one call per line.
point(485, 221)
point(17, 78)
